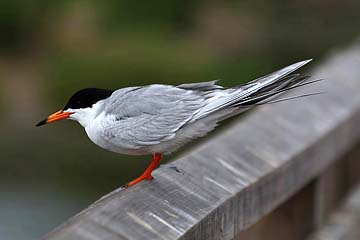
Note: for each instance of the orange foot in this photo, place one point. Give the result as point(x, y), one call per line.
point(147, 174)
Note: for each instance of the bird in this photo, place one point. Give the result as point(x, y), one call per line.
point(158, 119)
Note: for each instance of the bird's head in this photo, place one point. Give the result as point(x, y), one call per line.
point(80, 107)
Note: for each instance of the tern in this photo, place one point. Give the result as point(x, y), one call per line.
point(158, 119)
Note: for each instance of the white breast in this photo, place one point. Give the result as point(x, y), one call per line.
point(99, 133)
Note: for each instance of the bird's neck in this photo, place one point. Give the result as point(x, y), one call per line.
point(86, 116)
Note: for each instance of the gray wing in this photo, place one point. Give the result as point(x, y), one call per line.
point(151, 114)
point(201, 86)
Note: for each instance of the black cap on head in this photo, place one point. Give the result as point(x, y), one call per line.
point(87, 97)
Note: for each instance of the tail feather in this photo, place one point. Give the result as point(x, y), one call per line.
point(260, 88)
point(274, 76)
point(290, 98)
point(282, 83)
point(251, 100)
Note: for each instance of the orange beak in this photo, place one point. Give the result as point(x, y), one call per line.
point(60, 115)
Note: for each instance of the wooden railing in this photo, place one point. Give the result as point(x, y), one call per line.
point(276, 173)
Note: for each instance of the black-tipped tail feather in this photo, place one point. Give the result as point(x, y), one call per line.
point(265, 97)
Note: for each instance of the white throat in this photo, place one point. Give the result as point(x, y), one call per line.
point(86, 115)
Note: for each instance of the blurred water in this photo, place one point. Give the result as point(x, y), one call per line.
point(27, 211)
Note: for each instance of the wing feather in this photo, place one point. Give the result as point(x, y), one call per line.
point(151, 114)
point(245, 90)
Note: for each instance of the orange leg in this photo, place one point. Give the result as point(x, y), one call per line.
point(147, 174)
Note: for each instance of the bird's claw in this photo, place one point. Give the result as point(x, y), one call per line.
point(149, 177)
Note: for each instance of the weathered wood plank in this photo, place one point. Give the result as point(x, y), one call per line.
point(344, 223)
point(235, 178)
point(293, 220)
point(311, 206)
point(331, 187)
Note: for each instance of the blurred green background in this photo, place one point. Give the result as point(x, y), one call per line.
point(50, 49)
